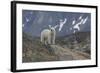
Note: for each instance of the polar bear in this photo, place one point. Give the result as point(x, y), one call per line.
point(48, 35)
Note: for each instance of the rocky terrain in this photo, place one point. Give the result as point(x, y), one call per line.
point(70, 47)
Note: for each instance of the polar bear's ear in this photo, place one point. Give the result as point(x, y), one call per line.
point(56, 26)
point(49, 26)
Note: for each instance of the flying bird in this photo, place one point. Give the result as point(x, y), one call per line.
point(80, 17)
point(82, 21)
point(77, 26)
point(73, 22)
point(27, 20)
point(62, 23)
point(85, 20)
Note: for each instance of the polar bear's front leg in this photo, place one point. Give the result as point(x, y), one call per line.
point(45, 41)
point(53, 40)
point(42, 38)
point(49, 39)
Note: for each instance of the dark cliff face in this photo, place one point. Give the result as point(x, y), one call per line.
point(36, 21)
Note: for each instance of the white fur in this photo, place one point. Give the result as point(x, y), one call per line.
point(48, 36)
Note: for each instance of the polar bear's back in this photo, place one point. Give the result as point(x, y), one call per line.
point(45, 32)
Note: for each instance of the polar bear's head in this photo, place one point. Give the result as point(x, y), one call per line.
point(51, 28)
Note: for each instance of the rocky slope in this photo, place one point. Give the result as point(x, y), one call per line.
point(72, 47)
